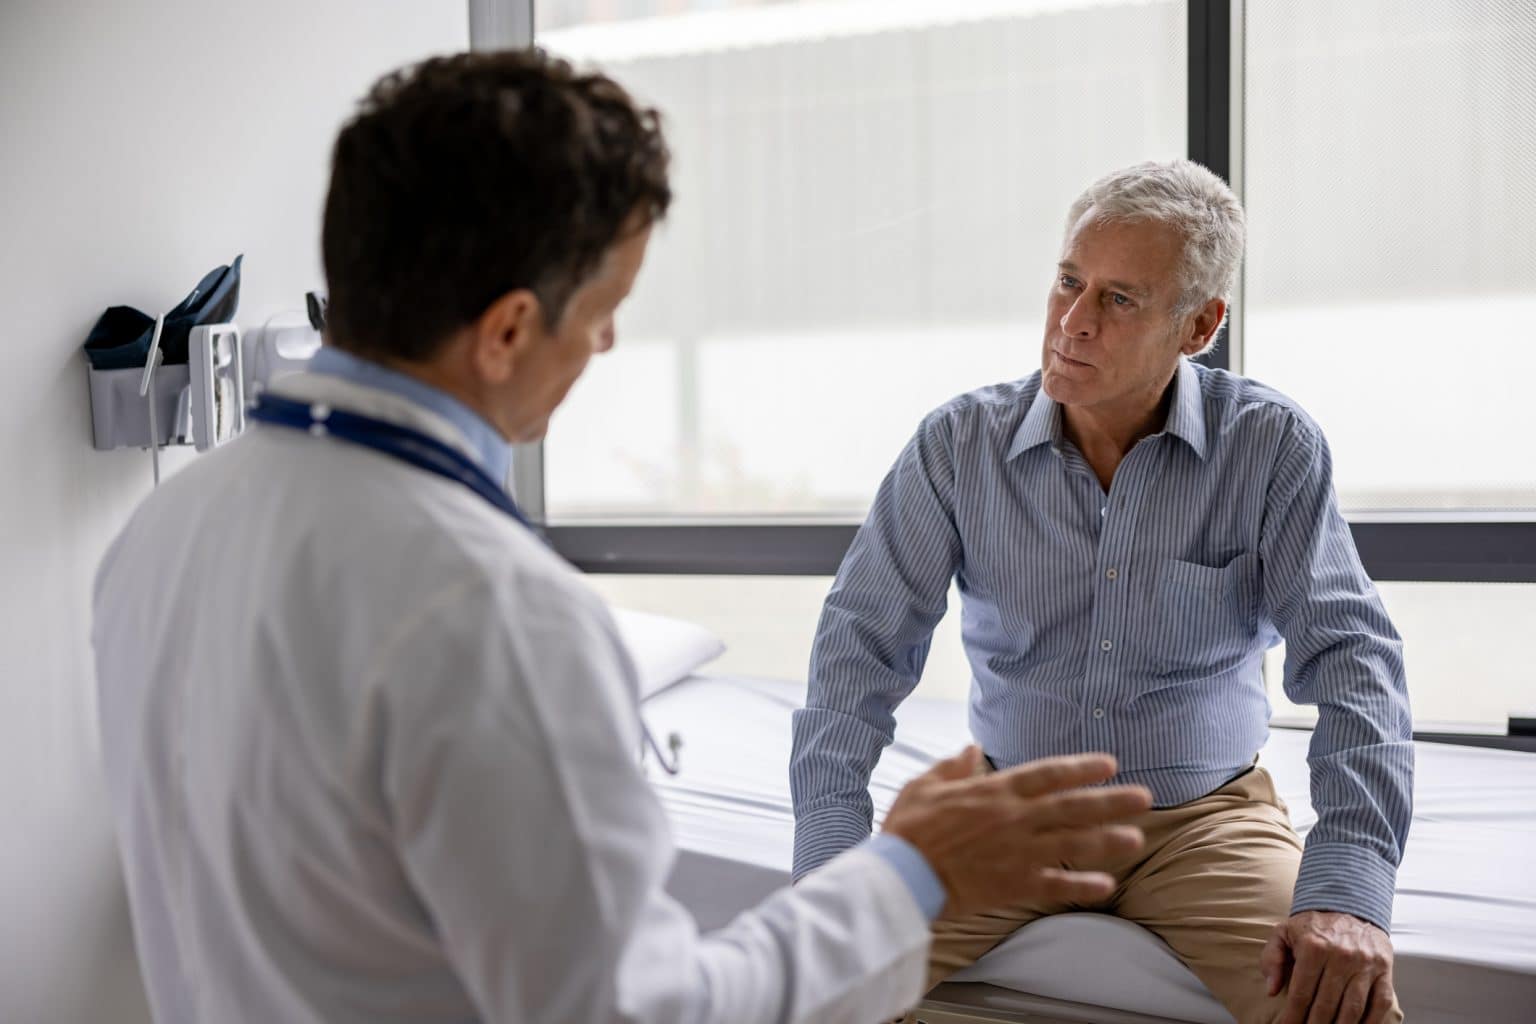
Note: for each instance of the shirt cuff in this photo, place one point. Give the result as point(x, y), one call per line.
point(904, 859)
point(825, 833)
point(1347, 879)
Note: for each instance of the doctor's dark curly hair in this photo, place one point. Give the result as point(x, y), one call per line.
point(466, 177)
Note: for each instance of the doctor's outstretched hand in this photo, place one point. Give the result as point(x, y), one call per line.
point(1003, 837)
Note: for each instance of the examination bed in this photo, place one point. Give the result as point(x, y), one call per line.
point(1464, 923)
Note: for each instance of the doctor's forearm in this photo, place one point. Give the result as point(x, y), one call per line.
point(847, 945)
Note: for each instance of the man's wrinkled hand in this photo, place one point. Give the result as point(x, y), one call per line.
point(1336, 967)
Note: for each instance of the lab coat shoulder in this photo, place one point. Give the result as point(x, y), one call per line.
point(516, 629)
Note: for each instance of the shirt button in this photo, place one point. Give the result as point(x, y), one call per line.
point(1113, 574)
point(1103, 511)
point(1106, 645)
point(1098, 712)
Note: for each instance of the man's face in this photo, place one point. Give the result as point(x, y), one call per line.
point(1111, 338)
point(586, 328)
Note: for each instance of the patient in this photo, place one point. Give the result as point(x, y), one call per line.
point(1129, 532)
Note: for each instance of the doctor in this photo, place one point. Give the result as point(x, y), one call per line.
point(371, 745)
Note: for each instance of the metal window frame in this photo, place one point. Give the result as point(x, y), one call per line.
point(500, 24)
point(1214, 114)
point(507, 25)
point(1400, 551)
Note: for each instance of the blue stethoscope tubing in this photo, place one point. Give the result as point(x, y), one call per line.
point(427, 453)
point(392, 439)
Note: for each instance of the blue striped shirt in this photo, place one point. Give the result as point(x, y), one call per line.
point(1133, 621)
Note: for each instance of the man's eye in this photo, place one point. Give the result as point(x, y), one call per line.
point(1067, 281)
point(1119, 300)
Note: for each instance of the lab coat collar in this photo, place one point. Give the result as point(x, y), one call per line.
point(340, 393)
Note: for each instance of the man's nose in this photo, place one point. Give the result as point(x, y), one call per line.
point(1081, 318)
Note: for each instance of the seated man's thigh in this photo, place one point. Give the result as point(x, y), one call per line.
point(1216, 886)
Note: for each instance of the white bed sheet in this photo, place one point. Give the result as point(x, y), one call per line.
point(1465, 915)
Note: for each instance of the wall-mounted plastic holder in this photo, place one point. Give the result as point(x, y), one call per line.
point(120, 414)
point(216, 384)
point(201, 402)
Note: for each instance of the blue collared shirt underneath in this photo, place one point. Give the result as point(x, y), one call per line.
point(914, 870)
point(1133, 621)
point(495, 456)
point(493, 451)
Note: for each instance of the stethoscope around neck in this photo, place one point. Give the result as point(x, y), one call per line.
point(318, 419)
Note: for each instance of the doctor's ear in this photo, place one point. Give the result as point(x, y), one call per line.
point(508, 330)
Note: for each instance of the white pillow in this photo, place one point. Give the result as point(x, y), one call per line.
point(665, 650)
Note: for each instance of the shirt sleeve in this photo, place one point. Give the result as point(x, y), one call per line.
point(1344, 656)
point(871, 644)
point(915, 872)
point(526, 829)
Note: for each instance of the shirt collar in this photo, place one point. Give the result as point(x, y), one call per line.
point(1042, 425)
point(1186, 416)
point(492, 450)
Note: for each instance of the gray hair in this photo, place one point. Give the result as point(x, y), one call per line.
point(1192, 200)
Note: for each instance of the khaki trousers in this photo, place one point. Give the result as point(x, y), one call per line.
point(1213, 880)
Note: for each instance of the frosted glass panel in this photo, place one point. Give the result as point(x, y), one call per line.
point(870, 201)
point(1391, 277)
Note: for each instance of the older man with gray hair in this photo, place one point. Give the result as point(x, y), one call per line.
point(1130, 531)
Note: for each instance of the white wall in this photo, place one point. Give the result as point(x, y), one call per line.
point(141, 144)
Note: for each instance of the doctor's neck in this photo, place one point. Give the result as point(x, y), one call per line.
point(452, 369)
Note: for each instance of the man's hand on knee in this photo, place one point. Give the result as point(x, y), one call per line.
point(1337, 968)
point(1001, 838)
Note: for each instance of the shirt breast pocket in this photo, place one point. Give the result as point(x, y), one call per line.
point(1207, 616)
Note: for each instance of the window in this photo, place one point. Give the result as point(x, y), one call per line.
point(1391, 273)
point(1465, 672)
point(870, 202)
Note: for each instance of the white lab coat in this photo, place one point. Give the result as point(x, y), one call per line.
point(372, 754)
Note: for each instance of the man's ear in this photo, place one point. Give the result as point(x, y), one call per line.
point(504, 335)
point(1203, 327)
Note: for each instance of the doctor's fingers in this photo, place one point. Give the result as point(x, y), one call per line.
point(978, 882)
point(1099, 806)
point(1048, 775)
point(980, 815)
point(1062, 885)
point(1091, 847)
